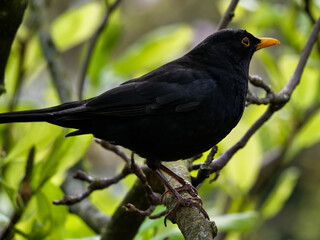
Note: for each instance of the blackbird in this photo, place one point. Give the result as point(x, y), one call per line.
point(176, 111)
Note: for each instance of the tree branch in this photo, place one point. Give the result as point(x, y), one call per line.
point(125, 224)
point(228, 15)
point(95, 219)
point(201, 228)
point(295, 79)
point(108, 146)
point(95, 184)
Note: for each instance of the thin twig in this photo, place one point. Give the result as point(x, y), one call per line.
point(95, 184)
point(113, 148)
point(158, 215)
point(307, 9)
point(204, 170)
point(224, 158)
point(87, 211)
point(152, 196)
point(295, 79)
point(131, 208)
point(228, 15)
point(257, 81)
point(92, 44)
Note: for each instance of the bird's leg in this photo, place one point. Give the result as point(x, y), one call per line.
point(180, 201)
point(186, 186)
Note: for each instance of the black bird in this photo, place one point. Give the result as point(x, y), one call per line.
point(176, 111)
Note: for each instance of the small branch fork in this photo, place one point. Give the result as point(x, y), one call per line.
point(101, 183)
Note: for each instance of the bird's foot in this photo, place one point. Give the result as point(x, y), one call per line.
point(185, 202)
point(194, 201)
point(189, 188)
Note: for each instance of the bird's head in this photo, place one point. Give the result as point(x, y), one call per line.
point(233, 45)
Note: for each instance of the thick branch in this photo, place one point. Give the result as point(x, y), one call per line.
point(193, 225)
point(125, 224)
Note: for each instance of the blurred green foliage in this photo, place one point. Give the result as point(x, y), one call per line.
point(229, 200)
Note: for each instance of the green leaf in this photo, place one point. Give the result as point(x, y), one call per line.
point(10, 191)
point(236, 172)
point(41, 219)
point(76, 25)
point(104, 46)
point(239, 222)
point(57, 214)
point(281, 192)
point(86, 238)
point(308, 89)
point(34, 61)
point(149, 224)
point(77, 228)
point(173, 234)
point(154, 49)
point(308, 135)
point(39, 135)
point(64, 153)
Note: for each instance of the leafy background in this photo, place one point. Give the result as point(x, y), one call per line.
point(140, 36)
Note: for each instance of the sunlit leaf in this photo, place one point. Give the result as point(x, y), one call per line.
point(308, 135)
point(165, 43)
point(77, 228)
point(239, 222)
point(41, 219)
point(86, 238)
point(173, 234)
point(34, 61)
point(64, 153)
point(104, 46)
point(58, 214)
point(11, 192)
point(34, 134)
point(76, 25)
point(281, 192)
point(244, 165)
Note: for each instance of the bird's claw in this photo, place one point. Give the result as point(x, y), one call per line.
point(194, 201)
point(186, 202)
point(185, 187)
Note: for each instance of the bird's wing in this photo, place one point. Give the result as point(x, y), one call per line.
point(155, 93)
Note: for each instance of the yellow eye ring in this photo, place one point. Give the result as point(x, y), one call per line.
point(245, 42)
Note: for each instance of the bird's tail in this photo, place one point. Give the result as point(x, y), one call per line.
point(43, 115)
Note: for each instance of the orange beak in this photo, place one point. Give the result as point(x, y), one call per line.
point(266, 42)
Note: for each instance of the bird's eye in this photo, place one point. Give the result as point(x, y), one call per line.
point(245, 42)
